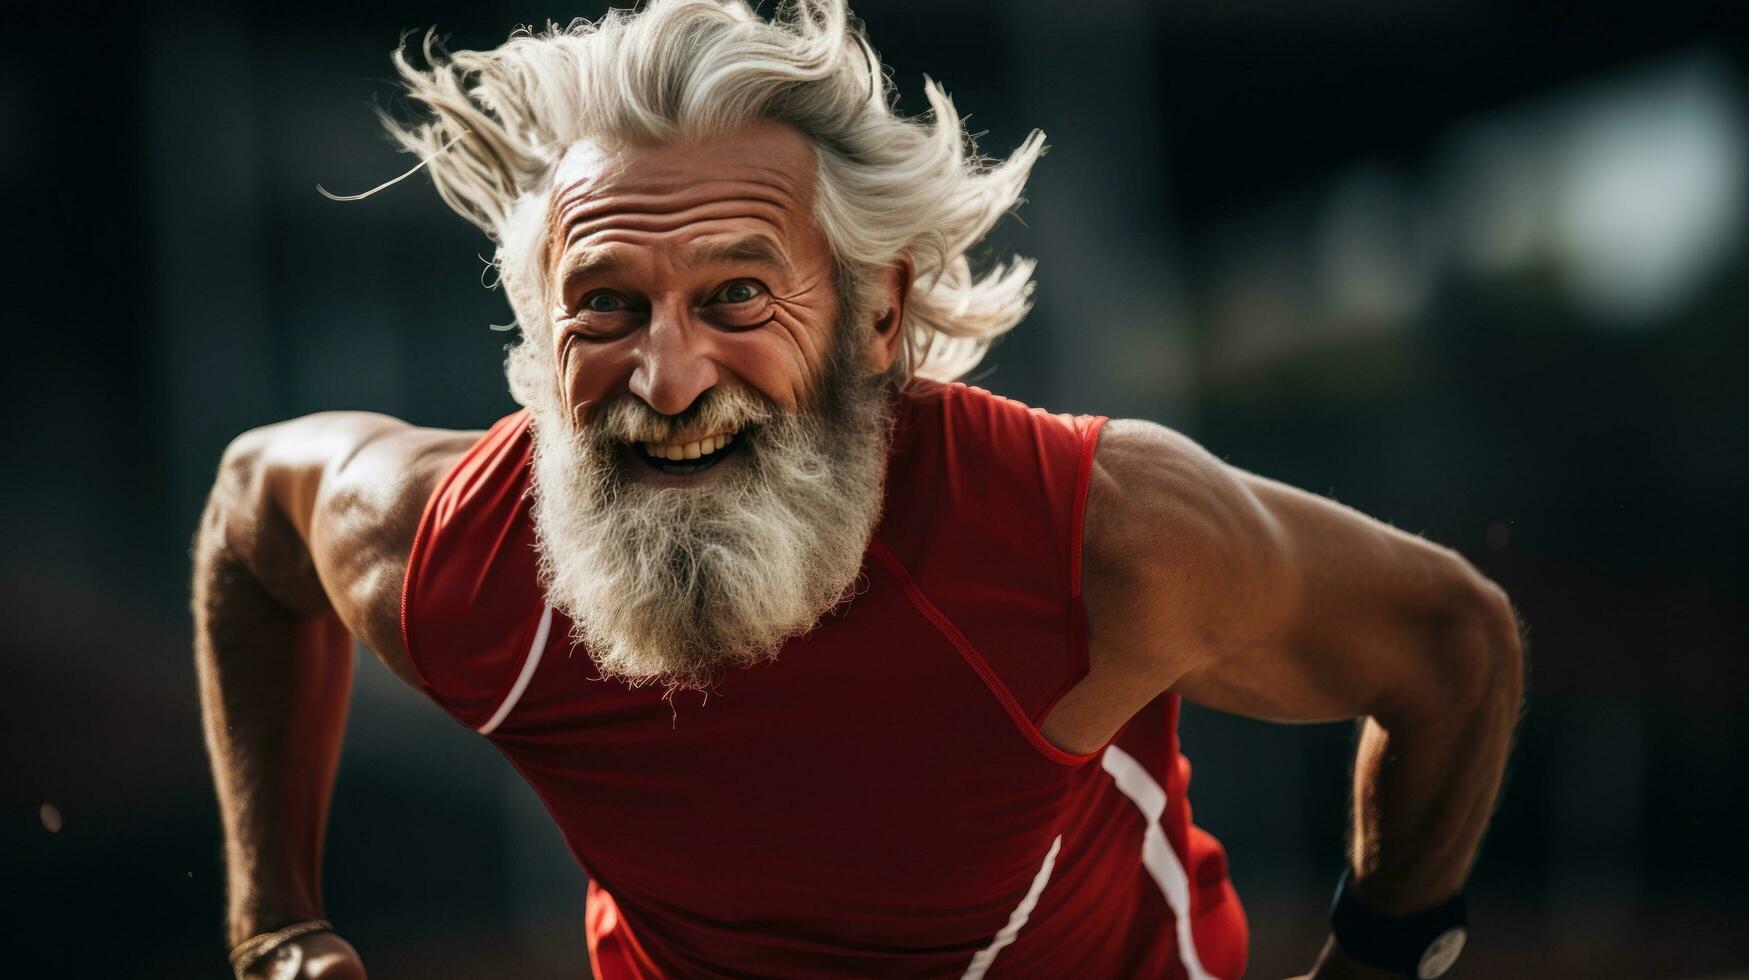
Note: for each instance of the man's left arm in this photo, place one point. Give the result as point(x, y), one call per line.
point(1252, 597)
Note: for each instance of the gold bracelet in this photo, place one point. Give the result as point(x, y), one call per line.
point(252, 950)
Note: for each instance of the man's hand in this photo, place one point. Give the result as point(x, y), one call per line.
point(321, 956)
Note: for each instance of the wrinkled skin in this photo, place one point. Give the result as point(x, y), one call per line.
point(696, 265)
point(692, 265)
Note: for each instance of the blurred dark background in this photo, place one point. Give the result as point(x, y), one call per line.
point(1476, 267)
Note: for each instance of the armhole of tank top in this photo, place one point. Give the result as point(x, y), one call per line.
point(973, 658)
point(1077, 624)
point(408, 579)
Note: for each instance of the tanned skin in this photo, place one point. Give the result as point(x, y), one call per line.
point(301, 548)
point(1229, 589)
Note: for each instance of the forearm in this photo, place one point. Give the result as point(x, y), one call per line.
point(1426, 779)
point(274, 687)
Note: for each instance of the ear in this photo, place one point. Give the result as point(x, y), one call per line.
point(888, 338)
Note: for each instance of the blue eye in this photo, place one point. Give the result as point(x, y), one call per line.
point(604, 303)
point(738, 292)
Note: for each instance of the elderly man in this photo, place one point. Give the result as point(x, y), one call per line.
point(826, 666)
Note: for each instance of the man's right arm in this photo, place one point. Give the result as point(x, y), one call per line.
point(302, 545)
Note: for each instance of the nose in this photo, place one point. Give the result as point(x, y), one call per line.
point(673, 367)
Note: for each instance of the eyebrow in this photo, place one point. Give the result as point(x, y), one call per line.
point(592, 262)
point(751, 249)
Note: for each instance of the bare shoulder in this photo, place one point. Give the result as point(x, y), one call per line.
point(1251, 596)
point(350, 488)
point(1172, 536)
point(1170, 532)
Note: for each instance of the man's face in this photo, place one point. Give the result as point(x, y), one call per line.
point(709, 467)
point(684, 268)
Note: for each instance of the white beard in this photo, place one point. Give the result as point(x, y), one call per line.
point(673, 584)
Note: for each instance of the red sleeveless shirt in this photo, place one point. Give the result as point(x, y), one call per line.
point(879, 800)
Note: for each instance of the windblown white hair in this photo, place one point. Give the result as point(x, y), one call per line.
point(888, 185)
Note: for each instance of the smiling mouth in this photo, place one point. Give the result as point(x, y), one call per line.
point(685, 457)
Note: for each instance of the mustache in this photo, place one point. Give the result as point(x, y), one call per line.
point(629, 419)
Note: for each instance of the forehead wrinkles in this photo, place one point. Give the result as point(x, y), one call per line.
point(592, 205)
point(610, 222)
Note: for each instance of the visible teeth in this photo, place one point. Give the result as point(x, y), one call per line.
point(688, 450)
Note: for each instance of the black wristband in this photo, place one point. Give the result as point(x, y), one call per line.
point(1422, 946)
